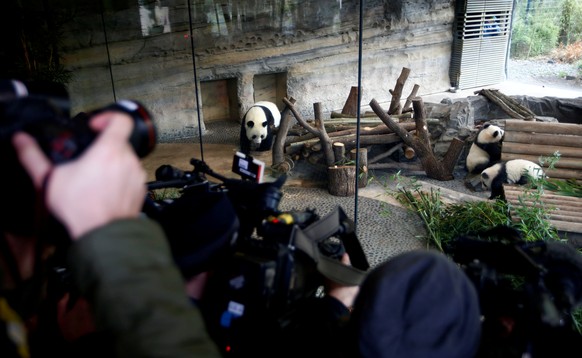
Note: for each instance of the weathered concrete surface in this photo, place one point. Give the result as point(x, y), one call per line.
point(315, 43)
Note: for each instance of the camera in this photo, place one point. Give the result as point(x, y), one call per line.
point(528, 291)
point(42, 109)
point(278, 261)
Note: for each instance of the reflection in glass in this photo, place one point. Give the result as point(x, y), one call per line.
point(154, 19)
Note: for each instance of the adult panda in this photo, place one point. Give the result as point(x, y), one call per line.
point(257, 127)
point(514, 171)
point(486, 149)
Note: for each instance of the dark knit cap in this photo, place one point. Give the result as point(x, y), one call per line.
point(417, 304)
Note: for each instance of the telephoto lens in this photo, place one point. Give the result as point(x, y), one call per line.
point(42, 109)
point(143, 137)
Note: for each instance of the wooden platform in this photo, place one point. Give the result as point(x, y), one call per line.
point(567, 214)
point(531, 140)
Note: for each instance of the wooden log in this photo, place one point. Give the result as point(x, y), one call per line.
point(324, 140)
point(353, 120)
point(508, 104)
point(540, 149)
point(409, 152)
point(395, 107)
point(361, 157)
point(397, 165)
point(335, 114)
point(351, 105)
point(278, 153)
point(534, 140)
point(545, 127)
point(408, 103)
point(339, 152)
point(563, 162)
point(387, 153)
point(440, 170)
point(565, 218)
point(319, 129)
point(402, 116)
point(342, 180)
point(543, 139)
point(370, 139)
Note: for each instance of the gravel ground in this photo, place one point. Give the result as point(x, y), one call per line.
point(544, 70)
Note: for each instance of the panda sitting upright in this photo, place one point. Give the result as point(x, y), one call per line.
point(257, 127)
point(486, 149)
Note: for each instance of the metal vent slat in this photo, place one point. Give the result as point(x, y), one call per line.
point(479, 48)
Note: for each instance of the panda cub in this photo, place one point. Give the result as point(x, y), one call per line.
point(257, 125)
point(486, 149)
point(515, 171)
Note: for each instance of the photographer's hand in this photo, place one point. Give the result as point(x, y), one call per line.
point(105, 183)
point(344, 294)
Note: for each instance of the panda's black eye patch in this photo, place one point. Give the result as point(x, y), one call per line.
point(264, 123)
point(250, 124)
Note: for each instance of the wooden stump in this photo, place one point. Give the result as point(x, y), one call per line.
point(342, 180)
point(362, 156)
point(339, 152)
point(351, 105)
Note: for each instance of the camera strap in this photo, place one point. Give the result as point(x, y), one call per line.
point(337, 224)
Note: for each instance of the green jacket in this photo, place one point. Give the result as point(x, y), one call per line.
point(126, 271)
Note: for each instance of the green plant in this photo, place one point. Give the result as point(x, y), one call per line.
point(445, 222)
point(568, 187)
point(534, 36)
point(570, 24)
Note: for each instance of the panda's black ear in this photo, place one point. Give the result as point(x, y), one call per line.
point(265, 124)
point(250, 124)
point(486, 125)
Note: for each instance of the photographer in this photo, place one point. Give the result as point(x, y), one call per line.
point(120, 262)
point(416, 304)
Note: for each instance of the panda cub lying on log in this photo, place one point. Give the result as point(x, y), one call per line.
point(257, 126)
point(515, 171)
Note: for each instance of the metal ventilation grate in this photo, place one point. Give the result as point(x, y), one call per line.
point(480, 43)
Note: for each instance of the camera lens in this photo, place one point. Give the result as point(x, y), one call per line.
point(143, 137)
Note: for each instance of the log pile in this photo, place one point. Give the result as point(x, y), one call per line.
point(334, 141)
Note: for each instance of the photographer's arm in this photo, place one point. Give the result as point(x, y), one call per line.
point(321, 323)
point(121, 262)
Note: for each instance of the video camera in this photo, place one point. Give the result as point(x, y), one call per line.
point(528, 291)
point(267, 263)
point(42, 109)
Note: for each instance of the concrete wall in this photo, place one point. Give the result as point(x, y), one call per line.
point(316, 43)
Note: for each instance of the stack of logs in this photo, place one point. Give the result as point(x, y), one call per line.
point(327, 141)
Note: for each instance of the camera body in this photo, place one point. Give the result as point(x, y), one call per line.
point(250, 297)
point(254, 298)
point(528, 291)
point(279, 260)
point(42, 109)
